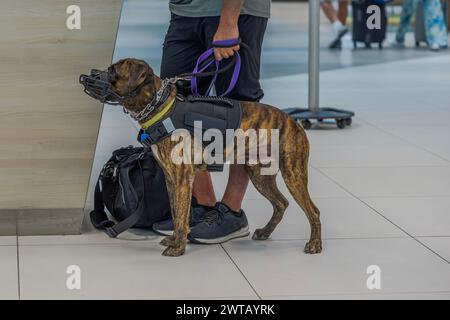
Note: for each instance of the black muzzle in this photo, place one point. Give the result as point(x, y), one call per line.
point(98, 87)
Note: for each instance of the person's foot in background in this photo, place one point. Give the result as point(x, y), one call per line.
point(339, 30)
point(435, 47)
point(338, 20)
point(397, 43)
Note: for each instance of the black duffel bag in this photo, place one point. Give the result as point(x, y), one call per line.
point(133, 189)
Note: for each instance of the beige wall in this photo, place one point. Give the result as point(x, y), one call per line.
point(48, 127)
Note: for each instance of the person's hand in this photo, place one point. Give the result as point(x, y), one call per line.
point(226, 32)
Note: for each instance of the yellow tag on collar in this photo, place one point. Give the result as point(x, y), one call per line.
point(164, 109)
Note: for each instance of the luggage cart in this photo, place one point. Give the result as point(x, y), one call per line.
point(304, 116)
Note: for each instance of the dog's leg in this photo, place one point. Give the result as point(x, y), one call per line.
point(181, 179)
point(294, 169)
point(267, 186)
point(170, 240)
point(299, 190)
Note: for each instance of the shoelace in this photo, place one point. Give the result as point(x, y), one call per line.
point(213, 216)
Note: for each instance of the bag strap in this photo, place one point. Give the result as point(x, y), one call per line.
point(101, 221)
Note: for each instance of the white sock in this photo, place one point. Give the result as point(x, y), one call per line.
point(337, 25)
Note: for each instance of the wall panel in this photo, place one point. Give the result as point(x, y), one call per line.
point(48, 126)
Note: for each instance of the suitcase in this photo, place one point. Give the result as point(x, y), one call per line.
point(419, 31)
point(360, 32)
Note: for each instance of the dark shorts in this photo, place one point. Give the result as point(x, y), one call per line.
point(187, 38)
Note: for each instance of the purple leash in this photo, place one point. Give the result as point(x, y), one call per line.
point(206, 59)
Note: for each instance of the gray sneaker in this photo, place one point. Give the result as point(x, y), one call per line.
point(220, 225)
point(198, 214)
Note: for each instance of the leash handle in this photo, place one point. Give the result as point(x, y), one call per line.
point(203, 63)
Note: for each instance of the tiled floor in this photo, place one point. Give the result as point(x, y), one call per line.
point(382, 185)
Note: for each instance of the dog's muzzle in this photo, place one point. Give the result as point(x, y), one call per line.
point(98, 87)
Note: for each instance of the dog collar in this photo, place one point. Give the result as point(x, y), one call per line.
point(165, 107)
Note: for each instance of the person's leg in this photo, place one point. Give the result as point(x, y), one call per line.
point(227, 220)
point(236, 187)
point(337, 20)
point(251, 32)
point(408, 9)
point(203, 189)
point(434, 24)
point(248, 88)
point(181, 49)
point(342, 12)
point(329, 11)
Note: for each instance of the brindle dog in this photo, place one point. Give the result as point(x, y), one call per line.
point(127, 74)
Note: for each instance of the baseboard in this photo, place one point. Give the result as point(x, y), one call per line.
point(41, 222)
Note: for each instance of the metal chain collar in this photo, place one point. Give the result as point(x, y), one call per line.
point(149, 108)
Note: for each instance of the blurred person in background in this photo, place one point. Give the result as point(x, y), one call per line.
point(435, 28)
point(338, 20)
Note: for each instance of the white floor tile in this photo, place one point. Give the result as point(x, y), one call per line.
point(433, 138)
point(418, 216)
point(129, 271)
point(370, 296)
point(341, 218)
point(392, 114)
point(276, 268)
point(115, 117)
point(112, 138)
point(8, 272)
point(372, 156)
point(393, 182)
point(89, 238)
point(440, 245)
point(359, 133)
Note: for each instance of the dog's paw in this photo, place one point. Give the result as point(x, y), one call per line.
point(313, 246)
point(168, 241)
point(260, 234)
point(173, 252)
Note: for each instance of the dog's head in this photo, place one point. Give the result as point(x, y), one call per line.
point(128, 82)
point(128, 75)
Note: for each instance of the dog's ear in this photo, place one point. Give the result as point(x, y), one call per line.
point(138, 73)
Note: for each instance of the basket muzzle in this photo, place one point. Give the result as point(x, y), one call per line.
point(97, 85)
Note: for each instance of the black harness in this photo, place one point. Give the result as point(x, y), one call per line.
point(213, 112)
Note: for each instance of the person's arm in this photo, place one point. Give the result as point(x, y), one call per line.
point(228, 27)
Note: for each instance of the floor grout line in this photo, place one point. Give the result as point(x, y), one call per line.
point(241, 272)
point(18, 259)
point(384, 167)
point(18, 269)
point(406, 197)
point(268, 240)
point(405, 140)
point(383, 216)
point(431, 236)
